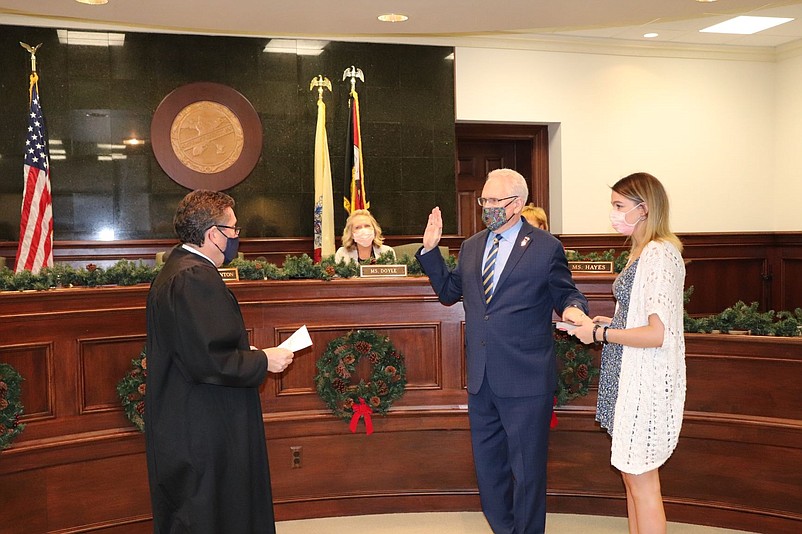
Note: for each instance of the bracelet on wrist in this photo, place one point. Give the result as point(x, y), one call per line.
point(595, 327)
point(604, 335)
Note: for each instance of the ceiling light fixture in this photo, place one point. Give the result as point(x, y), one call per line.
point(746, 25)
point(651, 35)
point(93, 2)
point(72, 37)
point(393, 17)
point(299, 47)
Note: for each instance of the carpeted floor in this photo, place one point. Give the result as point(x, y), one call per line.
point(468, 523)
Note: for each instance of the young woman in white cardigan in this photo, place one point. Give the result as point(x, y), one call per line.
point(642, 379)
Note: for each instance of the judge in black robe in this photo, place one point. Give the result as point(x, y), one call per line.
point(205, 440)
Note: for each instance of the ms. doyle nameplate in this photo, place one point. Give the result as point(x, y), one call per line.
point(602, 267)
point(373, 271)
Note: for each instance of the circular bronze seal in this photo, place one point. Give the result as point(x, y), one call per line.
point(206, 136)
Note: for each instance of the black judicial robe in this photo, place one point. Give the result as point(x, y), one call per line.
point(205, 440)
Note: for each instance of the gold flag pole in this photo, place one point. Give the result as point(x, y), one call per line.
point(32, 50)
point(320, 82)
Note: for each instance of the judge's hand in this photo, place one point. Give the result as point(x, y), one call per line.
point(434, 230)
point(278, 359)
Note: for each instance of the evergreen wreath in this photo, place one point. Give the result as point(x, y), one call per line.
point(338, 363)
point(131, 390)
point(10, 405)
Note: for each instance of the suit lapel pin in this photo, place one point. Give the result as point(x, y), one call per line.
point(524, 241)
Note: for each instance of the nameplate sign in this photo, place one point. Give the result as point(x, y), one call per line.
point(229, 274)
point(373, 271)
point(601, 267)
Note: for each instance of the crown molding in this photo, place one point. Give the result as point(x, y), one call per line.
point(496, 40)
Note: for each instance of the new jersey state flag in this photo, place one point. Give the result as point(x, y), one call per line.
point(324, 204)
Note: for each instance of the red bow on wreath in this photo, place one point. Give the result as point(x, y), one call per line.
point(361, 410)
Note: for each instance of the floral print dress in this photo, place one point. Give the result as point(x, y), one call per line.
point(612, 352)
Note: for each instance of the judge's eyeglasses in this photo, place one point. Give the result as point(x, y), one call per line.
point(235, 228)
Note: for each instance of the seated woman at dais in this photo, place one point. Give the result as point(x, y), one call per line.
point(362, 239)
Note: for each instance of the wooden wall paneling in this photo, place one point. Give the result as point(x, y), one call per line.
point(112, 487)
point(738, 463)
point(23, 502)
point(34, 362)
point(357, 466)
point(760, 375)
point(787, 271)
point(597, 288)
point(726, 268)
point(716, 281)
point(790, 291)
point(102, 363)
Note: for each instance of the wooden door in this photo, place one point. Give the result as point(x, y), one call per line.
point(482, 148)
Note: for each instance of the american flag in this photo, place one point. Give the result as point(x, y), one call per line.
point(35, 248)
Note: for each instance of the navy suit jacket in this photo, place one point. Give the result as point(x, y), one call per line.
point(512, 338)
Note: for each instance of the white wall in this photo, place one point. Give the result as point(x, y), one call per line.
point(786, 207)
point(705, 127)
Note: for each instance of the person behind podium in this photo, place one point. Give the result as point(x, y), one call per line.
point(536, 216)
point(509, 342)
point(362, 239)
point(642, 380)
point(204, 434)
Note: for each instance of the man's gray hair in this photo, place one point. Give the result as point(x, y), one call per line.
point(516, 181)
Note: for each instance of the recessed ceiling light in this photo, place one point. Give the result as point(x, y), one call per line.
point(705, 1)
point(300, 47)
point(93, 2)
point(393, 17)
point(651, 35)
point(745, 25)
point(72, 37)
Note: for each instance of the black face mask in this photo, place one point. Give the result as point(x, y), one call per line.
point(232, 248)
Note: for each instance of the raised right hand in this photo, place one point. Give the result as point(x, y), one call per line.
point(434, 230)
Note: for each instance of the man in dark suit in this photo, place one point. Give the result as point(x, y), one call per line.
point(511, 277)
point(205, 437)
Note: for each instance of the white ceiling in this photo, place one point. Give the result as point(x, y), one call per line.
point(614, 21)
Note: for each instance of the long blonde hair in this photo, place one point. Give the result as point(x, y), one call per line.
point(642, 187)
point(348, 231)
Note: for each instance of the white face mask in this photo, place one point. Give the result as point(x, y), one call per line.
point(364, 237)
point(619, 221)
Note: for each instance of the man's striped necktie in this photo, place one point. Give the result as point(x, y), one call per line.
point(489, 268)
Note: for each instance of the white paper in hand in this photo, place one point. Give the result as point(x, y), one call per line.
point(298, 340)
point(565, 327)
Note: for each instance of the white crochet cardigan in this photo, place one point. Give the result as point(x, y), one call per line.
point(651, 388)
